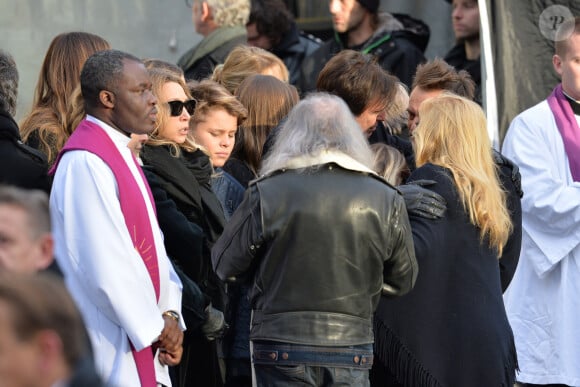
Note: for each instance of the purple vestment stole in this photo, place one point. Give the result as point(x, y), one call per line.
point(90, 137)
point(568, 128)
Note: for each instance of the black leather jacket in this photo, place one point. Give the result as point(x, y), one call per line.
point(320, 244)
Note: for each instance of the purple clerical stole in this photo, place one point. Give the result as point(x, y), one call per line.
point(92, 138)
point(568, 128)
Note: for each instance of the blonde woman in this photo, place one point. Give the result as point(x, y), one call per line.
point(452, 329)
point(189, 215)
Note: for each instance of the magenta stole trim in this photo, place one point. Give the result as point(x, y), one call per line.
point(568, 127)
point(91, 137)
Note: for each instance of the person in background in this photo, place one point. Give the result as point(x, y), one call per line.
point(42, 337)
point(541, 301)
point(455, 310)
point(22, 166)
point(465, 55)
point(46, 127)
point(26, 242)
point(271, 26)
point(336, 256)
point(396, 41)
point(107, 240)
point(244, 61)
point(222, 25)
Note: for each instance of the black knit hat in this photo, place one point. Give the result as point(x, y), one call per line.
point(371, 5)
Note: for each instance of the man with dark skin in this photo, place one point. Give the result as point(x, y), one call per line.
point(119, 274)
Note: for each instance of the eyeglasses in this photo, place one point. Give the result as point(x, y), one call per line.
point(176, 107)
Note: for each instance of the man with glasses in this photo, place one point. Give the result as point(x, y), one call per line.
point(222, 25)
point(108, 242)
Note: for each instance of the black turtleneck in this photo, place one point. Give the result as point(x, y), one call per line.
point(575, 105)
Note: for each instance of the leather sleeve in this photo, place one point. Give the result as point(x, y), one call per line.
point(511, 251)
point(235, 251)
point(400, 269)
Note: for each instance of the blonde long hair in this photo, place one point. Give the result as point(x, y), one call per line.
point(452, 134)
point(159, 77)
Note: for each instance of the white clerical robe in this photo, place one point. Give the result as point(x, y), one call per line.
point(103, 271)
point(543, 300)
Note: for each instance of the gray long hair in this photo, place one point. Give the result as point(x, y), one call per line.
point(320, 122)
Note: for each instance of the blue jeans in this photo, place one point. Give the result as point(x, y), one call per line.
point(281, 365)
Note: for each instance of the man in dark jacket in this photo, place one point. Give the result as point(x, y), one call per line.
point(222, 25)
point(465, 55)
point(397, 41)
point(272, 27)
point(321, 237)
point(22, 165)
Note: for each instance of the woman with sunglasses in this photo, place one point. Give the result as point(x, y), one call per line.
point(189, 214)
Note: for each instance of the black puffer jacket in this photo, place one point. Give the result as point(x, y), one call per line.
point(398, 44)
point(22, 165)
point(318, 265)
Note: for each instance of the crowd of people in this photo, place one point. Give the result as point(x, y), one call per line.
point(274, 210)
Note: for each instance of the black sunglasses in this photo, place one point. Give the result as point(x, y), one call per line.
point(176, 107)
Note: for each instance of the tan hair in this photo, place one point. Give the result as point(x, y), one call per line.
point(359, 80)
point(439, 75)
point(568, 28)
point(453, 134)
point(390, 164)
point(211, 95)
point(268, 101)
point(244, 61)
point(159, 77)
point(40, 302)
point(59, 77)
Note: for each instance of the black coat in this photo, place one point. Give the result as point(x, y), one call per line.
point(191, 219)
point(22, 165)
point(293, 48)
point(451, 330)
point(185, 180)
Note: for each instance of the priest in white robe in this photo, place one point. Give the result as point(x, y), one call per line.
point(543, 300)
point(131, 304)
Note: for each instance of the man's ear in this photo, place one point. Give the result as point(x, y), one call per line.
point(107, 98)
point(205, 12)
point(46, 253)
point(51, 351)
point(557, 63)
